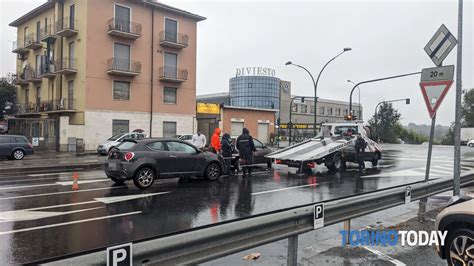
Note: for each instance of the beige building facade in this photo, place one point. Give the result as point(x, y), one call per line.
point(101, 67)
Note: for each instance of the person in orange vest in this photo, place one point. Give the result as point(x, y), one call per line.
point(215, 141)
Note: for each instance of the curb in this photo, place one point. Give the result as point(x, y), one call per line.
point(56, 168)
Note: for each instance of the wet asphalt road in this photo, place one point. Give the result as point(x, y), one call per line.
point(41, 217)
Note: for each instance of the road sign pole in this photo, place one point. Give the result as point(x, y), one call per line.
point(423, 201)
point(457, 123)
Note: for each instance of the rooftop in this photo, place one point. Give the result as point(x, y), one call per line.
point(154, 3)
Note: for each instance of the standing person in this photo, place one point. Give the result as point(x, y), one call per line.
point(226, 148)
point(199, 140)
point(246, 149)
point(215, 141)
point(360, 146)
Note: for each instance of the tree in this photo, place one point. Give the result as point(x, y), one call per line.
point(468, 109)
point(387, 126)
point(449, 138)
point(7, 96)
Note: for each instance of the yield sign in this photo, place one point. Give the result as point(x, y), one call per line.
point(434, 93)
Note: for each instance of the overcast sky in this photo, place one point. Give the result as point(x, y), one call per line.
point(387, 38)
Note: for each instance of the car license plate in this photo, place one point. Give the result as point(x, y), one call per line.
point(113, 166)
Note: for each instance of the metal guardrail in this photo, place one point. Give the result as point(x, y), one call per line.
point(213, 242)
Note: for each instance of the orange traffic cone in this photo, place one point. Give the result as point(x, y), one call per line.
point(75, 185)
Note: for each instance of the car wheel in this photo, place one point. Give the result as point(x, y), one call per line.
point(144, 178)
point(213, 171)
point(471, 145)
point(460, 247)
point(18, 155)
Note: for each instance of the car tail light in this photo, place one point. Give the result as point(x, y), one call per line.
point(30, 145)
point(129, 156)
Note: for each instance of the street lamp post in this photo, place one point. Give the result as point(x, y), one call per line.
point(290, 124)
point(375, 80)
point(358, 88)
point(315, 84)
point(407, 101)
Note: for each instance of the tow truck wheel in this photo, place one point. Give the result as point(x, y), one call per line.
point(376, 159)
point(336, 163)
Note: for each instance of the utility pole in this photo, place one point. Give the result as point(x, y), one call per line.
point(457, 123)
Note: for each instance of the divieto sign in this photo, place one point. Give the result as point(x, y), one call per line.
point(255, 71)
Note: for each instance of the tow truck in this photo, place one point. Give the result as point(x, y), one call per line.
point(333, 147)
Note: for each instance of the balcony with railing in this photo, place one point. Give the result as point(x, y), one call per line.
point(48, 33)
point(48, 70)
point(32, 75)
point(19, 47)
point(66, 27)
point(124, 67)
point(50, 106)
point(65, 66)
point(173, 39)
point(19, 79)
point(32, 41)
point(124, 28)
point(172, 74)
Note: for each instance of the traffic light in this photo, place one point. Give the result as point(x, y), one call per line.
point(302, 99)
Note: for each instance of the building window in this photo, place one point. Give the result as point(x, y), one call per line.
point(249, 85)
point(236, 128)
point(304, 108)
point(346, 111)
point(121, 90)
point(171, 30)
point(121, 57)
point(311, 109)
point(338, 111)
point(27, 96)
point(169, 129)
point(170, 95)
point(120, 126)
point(330, 110)
point(321, 110)
point(360, 115)
point(294, 108)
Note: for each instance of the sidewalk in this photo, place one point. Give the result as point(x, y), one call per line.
point(57, 161)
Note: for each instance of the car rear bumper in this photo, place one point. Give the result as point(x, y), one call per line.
point(119, 169)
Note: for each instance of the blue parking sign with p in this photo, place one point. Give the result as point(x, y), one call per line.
point(120, 255)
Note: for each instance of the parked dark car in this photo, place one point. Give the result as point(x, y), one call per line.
point(145, 160)
point(15, 147)
point(259, 156)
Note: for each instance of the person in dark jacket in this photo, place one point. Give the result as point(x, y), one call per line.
point(246, 149)
point(226, 151)
point(360, 146)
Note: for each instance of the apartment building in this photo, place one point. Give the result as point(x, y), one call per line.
point(101, 67)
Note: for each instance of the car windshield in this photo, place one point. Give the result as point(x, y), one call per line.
point(126, 145)
point(116, 137)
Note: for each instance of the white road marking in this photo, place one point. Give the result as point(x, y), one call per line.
point(108, 200)
point(57, 193)
point(440, 171)
point(401, 173)
point(68, 223)
point(90, 161)
point(282, 189)
point(62, 173)
point(27, 215)
point(444, 167)
point(28, 186)
point(28, 180)
point(69, 183)
point(385, 257)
